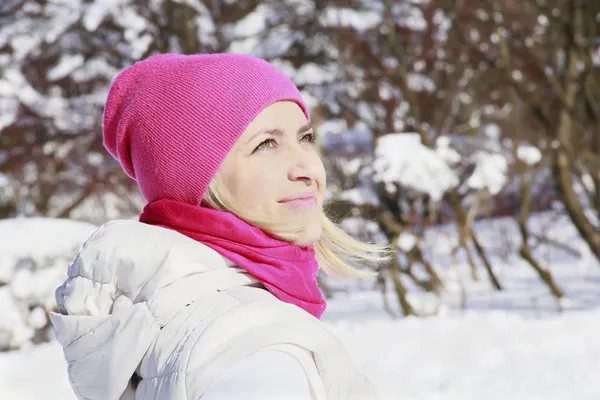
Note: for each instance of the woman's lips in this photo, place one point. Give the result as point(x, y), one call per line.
point(307, 202)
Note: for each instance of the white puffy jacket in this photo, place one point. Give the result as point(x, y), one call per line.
point(148, 313)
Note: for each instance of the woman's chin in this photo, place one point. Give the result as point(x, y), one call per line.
point(310, 237)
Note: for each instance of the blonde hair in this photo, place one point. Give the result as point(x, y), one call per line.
point(335, 250)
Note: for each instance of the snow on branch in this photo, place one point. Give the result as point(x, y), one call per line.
point(402, 158)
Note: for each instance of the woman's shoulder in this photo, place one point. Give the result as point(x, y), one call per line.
point(265, 374)
point(128, 241)
point(123, 256)
point(123, 232)
point(238, 343)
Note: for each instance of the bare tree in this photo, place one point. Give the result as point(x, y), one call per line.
point(549, 52)
point(58, 61)
point(401, 75)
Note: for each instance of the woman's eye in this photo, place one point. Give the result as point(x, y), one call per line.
point(309, 137)
point(265, 144)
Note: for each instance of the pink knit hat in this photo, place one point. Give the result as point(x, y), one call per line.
point(171, 119)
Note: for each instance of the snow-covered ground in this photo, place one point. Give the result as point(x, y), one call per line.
point(488, 356)
point(483, 344)
point(34, 253)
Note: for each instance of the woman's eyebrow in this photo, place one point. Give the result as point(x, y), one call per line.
point(305, 128)
point(279, 132)
point(274, 131)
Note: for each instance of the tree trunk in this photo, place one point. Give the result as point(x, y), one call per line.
point(461, 219)
point(488, 266)
point(401, 291)
point(562, 173)
point(526, 191)
point(564, 156)
point(525, 250)
point(416, 255)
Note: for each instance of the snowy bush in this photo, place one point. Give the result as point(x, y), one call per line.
point(402, 159)
point(34, 257)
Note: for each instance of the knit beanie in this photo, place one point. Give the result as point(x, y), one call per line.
point(171, 119)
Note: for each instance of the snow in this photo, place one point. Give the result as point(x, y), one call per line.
point(64, 16)
point(366, 111)
point(352, 225)
point(97, 12)
point(360, 196)
point(134, 25)
point(37, 319)
point(3, 180)
point(95, 67)
point(248, 45)
point(67, 64)
point(333, 126)
point(14, 330)
point(451, 359)
point(312, 74)
point(351, 167)
point(8, 110)
point(446, 152)
point(409, 16)
point(140, 45)
point(443, 24)
point(44, 365)
point(336, 134)
point(588, 182)
point(596, 57)
point(206, 28)
point(420, 82)
point(406, 241)
point(359, 20)
point(530, 155)
point(24, 44)
point(30, 97)
point(253, 23)
point(6, 89)
point(490, 172)
point(402, 158)
point(386, 91)
point(39, 239)
point(517, 75)
point(301, 7)
point(369, 230)
point(492, 131)
point(33, 260)
point(512, 344)
point(504, 357)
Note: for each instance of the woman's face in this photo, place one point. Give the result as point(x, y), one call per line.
point(274, 169)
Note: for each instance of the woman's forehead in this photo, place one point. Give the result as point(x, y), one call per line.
point(278, 118)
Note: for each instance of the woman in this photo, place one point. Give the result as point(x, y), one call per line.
point(212, 294)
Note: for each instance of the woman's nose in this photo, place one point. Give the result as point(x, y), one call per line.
point(303, 168)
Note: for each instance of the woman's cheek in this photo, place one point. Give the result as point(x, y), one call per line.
point(258, 188)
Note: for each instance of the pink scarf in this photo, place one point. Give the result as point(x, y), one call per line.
point(286, 270)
